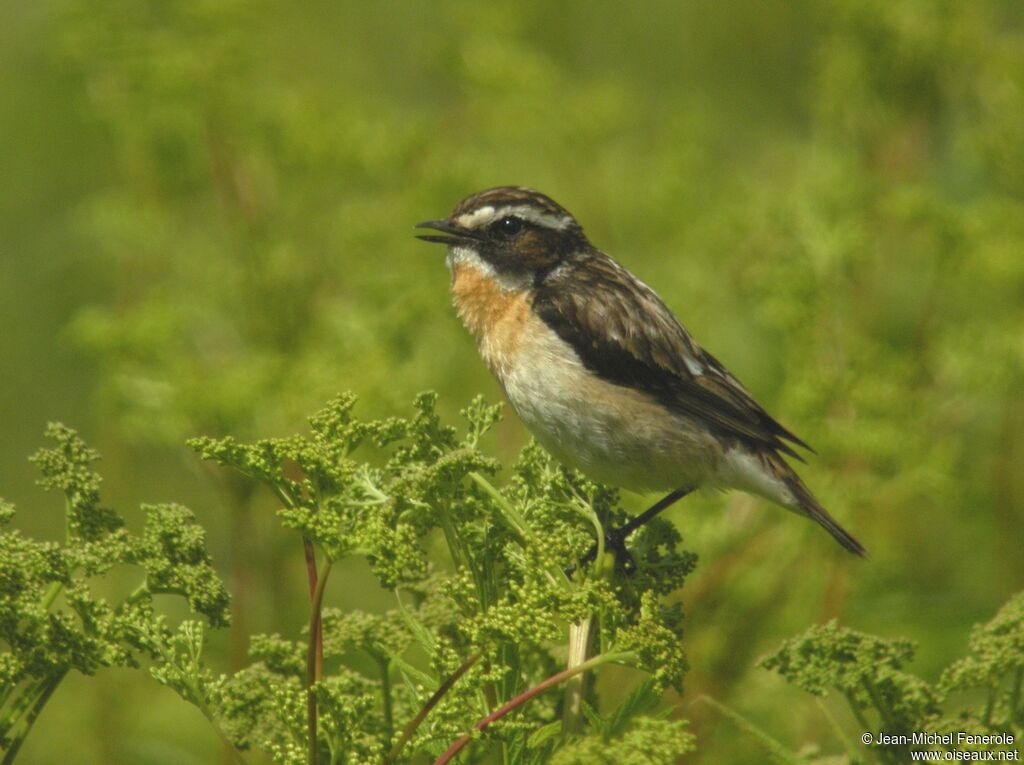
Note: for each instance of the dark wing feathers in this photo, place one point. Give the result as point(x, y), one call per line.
point(625, 333)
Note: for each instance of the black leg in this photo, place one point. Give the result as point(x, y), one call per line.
point(615, 539)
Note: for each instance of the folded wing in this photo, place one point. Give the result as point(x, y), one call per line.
point(622, 331)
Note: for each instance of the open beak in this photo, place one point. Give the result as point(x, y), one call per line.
point(456, 235)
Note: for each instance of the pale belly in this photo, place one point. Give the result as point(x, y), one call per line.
point(611, 433)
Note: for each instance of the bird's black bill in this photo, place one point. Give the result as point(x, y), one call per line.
point(455, 235)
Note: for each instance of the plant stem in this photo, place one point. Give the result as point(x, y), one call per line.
point(22, 705)
point(857, 713)
point(51, 594)
point(777, 751)
point(837, 729)
point(886, 752)
point(515, 520)
point(314, 660)
point(200, 702)
point(48, 687)
point(385, 689)
point(518, 523)
point(454, 547)
point(579, 645)
point(33, 698)
point(525, 696)
point(310, 552)
point(225, 741)
point(864, 725)
point(881, 706)
point(989, 706)
point(1018, 681)
point(432, 702)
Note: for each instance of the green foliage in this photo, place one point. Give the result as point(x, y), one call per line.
point(52, 618)
point(869, 673)
point(994, 665)
point(650, 742)
point(499, 607)
point(502, 602)
point(630, 734)
point(213, 200)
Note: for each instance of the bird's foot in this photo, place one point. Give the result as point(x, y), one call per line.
point(615, 539)
point(615, 542)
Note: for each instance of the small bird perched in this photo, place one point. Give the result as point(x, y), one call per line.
point(600, 370)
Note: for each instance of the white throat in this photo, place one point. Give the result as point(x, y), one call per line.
point(467, 257)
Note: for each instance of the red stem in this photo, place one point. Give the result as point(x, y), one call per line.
point(314, 668)
point(521, 699)
point(307, 546)
point(310, 551)
point(432, 702)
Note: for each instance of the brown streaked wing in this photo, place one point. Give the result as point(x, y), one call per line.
point(622, 331)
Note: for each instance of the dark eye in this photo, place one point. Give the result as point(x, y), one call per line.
point(509, 226)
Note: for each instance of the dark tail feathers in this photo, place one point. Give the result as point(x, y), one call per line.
point(810, 507)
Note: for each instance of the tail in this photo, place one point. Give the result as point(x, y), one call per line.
point(809, 506)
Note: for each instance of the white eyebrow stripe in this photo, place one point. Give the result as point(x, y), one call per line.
point(486, 215)
point(479, 217)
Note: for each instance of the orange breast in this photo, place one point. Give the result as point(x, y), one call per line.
point(498, 318)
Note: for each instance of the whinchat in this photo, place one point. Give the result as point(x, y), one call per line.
point(600, 370)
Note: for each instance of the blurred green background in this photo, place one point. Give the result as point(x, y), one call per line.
point(206, 228)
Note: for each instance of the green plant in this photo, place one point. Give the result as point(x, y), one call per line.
point(485, 620)
point(471, 638)
point(53, 619)
point(886, 700)
point(495, 632)
point(487, 588)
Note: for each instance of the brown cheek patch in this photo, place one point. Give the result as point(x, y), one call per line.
point(496, 318)
point(536, 249)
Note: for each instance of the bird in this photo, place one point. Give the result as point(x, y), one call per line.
point(600, 370)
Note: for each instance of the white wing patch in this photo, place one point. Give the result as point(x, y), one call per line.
point(695, 367)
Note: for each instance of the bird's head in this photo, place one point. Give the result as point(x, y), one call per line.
point(517, 234)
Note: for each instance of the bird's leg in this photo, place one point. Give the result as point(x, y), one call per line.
point(615, 539)
point(662, 504)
